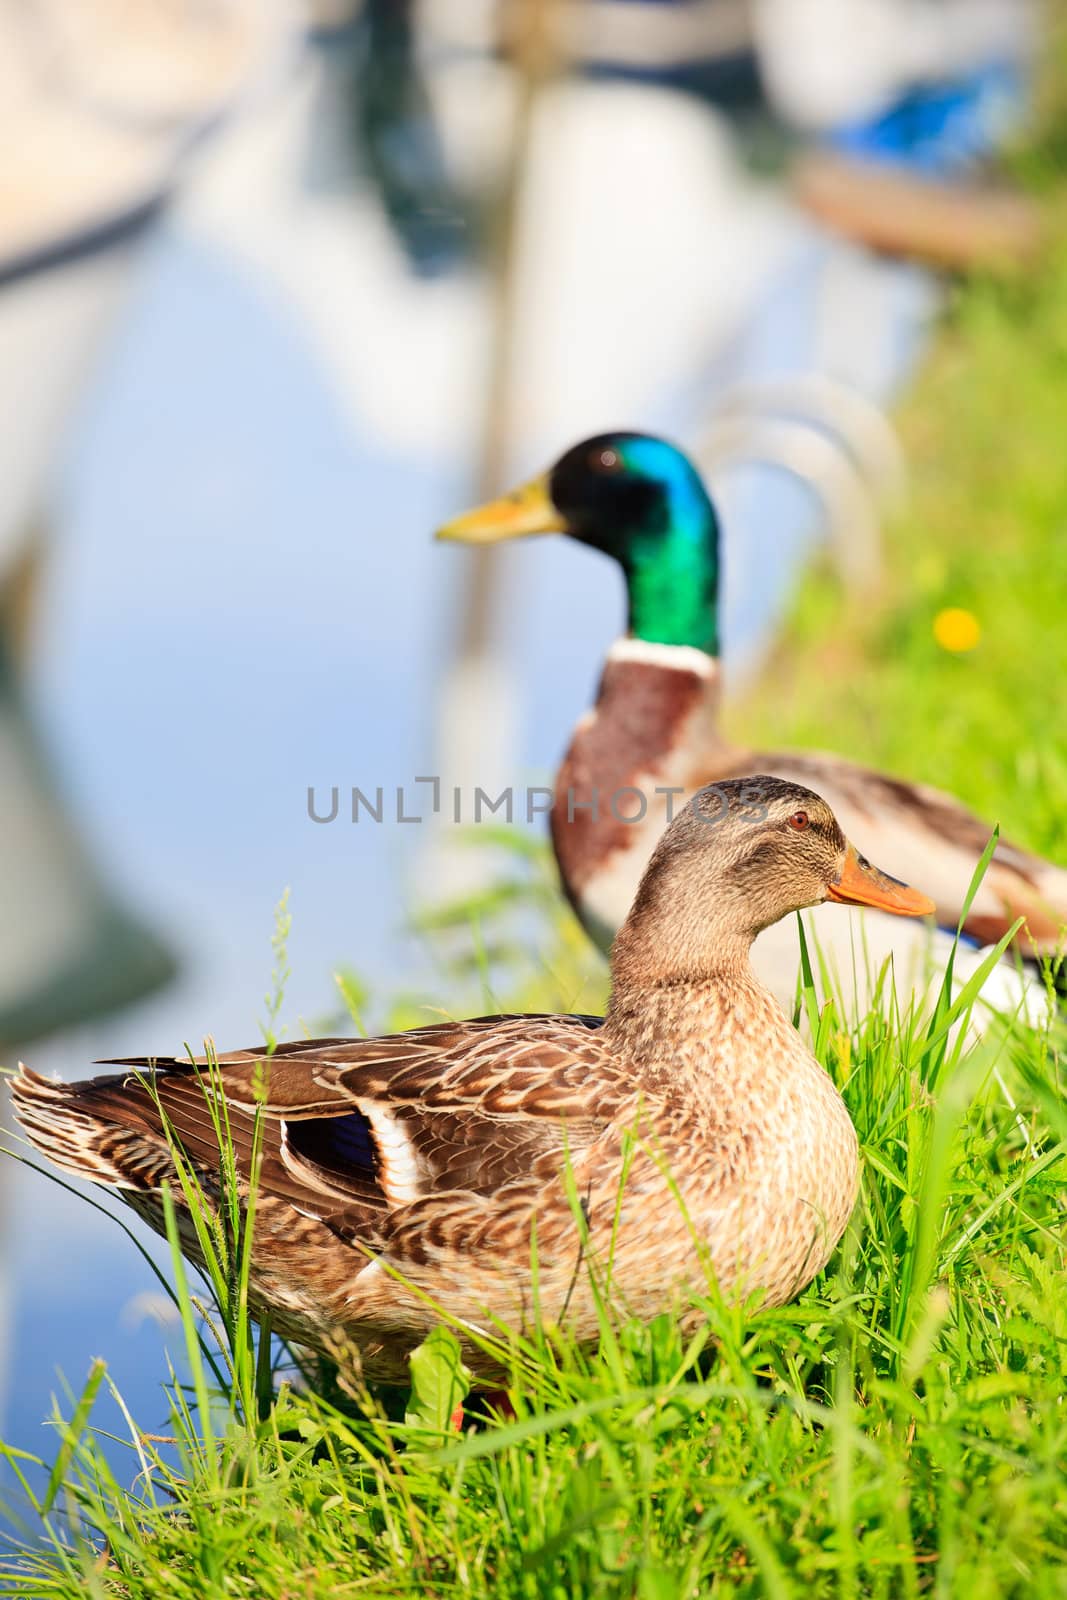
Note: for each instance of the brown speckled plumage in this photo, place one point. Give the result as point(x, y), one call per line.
point(420, 1165)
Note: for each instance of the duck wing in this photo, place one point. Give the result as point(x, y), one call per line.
point(349, 1130)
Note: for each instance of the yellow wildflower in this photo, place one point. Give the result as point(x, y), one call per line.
point(957, 630)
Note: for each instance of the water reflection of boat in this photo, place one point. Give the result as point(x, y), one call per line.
point(100, 105)
point(72, 950)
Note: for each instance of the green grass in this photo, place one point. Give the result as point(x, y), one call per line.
point(985, 529)
point(901, 1430)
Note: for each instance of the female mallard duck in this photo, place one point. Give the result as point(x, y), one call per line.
point(415, 1171)
point(654, 733)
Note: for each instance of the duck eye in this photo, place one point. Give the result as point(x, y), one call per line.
point(799, 820)
point(606, 460)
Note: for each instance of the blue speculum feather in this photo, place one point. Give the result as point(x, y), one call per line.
point(336, 1142)
point(350, 1139)
point(671, 561)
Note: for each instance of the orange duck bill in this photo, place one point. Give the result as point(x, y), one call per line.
point(860, 884)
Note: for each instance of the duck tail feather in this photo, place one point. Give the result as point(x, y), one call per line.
point(60, 1121)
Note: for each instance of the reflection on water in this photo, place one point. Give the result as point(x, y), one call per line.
point(73, 951)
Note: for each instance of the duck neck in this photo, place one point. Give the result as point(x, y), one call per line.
point(672, 576)
point(699, 1026)
point(686, 931)
point(634, 976)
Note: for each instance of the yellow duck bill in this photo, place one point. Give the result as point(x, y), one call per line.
point(524, 511)
point(860, 884)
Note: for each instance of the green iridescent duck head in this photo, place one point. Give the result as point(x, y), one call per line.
point(638, 499)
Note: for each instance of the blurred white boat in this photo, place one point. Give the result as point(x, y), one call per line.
point(101, 106)
point(829, 62)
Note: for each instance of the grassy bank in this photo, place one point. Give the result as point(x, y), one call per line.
point(899, 1431)
point(983, 532)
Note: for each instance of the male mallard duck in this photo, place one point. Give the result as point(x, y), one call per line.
point(418, 1170)
point(654, 733)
